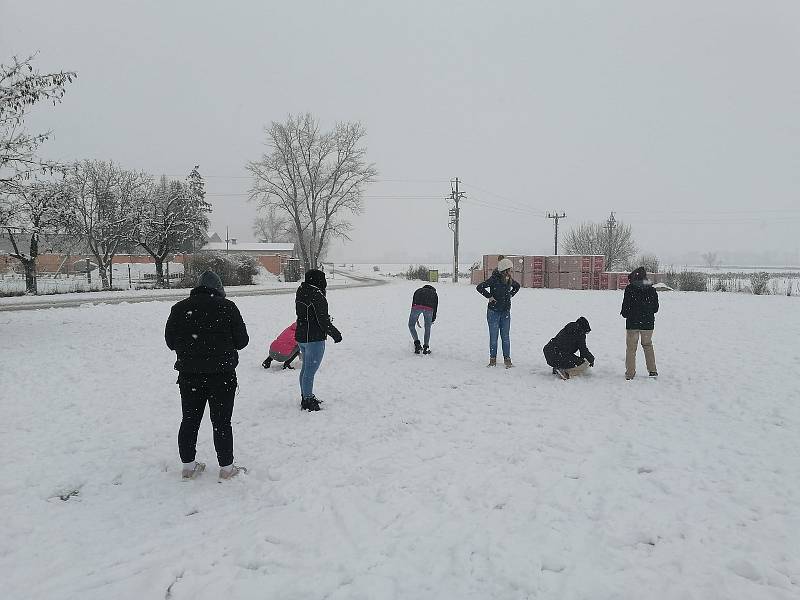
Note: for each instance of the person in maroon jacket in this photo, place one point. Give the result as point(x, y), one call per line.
point(424, 303)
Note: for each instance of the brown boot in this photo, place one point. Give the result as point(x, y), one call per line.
point(492, 362)
point(508, 363)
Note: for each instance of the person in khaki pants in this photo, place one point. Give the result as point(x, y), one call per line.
point(639, 306)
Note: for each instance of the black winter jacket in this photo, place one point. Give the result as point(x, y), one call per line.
point(313, 322)
point(427, 296)
point(499, 291)
point(205, 330)
point(639, 306)
point(571, 339)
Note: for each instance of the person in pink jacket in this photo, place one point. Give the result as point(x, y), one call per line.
point(284, 349)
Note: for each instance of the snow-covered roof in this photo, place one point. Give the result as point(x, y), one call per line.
point(250, 247)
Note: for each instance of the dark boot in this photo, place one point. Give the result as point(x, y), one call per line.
point(267, 363)
point(417, 347)
point(426, 350)
point(288, 365)
point(310, 404)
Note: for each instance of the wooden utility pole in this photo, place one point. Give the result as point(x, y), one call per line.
point(555, 216)
point(455, 215)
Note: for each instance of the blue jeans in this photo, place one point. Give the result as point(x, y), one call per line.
point(312, 353)
point(499, 322)
point(412, 322)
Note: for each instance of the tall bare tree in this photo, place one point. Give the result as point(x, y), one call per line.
point(20, 88)
point(272, 227)
point(315, 178)
point(710, 258)
point(615, 243)
point(168, 216)
point(36, 220)
point(104, 198)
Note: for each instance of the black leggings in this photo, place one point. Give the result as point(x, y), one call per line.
point(218, 390)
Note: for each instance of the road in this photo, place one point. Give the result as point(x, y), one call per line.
point(60, 301)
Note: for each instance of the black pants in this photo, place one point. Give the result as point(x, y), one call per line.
point(218, 390)
point(558, 359)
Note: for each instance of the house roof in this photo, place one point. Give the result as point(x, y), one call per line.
point(249, 247)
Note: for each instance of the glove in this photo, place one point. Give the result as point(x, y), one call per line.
point(337, 337)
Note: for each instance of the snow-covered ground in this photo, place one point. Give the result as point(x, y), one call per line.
point(424, 477)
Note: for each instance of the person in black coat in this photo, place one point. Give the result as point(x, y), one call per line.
point(639, 307)
point(499, 288)
point(313, 328)
point(425, 302)
point(206, 331)
point(560, 351)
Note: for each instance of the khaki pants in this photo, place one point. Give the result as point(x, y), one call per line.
point(631, 342)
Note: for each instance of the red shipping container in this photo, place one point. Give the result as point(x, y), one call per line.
point(477, 277)
point(552, 280)
point(551, 264)
point(603, 282)
point(622, 280)
point(534, 264)
point(532, 280)
point(598, 263)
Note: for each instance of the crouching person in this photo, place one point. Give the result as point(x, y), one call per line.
point(206, 331)
point(425, 303)
point(560, 351)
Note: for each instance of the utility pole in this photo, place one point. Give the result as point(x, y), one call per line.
point(227, 240)
point(555, 216)
point(455, 214)
point(609, 227)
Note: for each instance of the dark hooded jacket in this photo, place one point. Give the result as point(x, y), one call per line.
point(206, 330)
point(560, 351)
point(498, 291)
point(313, 321)
point(640, 302)
point(427, 296)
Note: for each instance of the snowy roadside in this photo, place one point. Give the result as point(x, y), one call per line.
point(341, 280)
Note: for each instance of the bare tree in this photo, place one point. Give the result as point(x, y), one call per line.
point(104, 199)
point(649, 261)
point(20, 88)
point(710, 259)
point(315, 178)
point(272, 227)
point(37, 213)
point(167, 216)
point(615, 243)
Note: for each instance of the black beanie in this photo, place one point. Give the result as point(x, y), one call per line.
point(583, 324)
point(211, 280)
point(316, 278)
point(639, 274)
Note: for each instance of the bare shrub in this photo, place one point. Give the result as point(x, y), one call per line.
point(759, 283)
point(238, 269)
point(692, 281)
point(420, 272)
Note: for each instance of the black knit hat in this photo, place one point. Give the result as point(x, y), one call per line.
point(211, 280)
point(316, 278)
point(583, 323)
point(639, 274)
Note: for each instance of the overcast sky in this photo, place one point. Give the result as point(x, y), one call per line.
point(681, 116)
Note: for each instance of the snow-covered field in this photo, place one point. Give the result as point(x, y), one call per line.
point(424, 477)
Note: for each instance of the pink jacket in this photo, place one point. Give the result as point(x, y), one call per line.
point(285, 343)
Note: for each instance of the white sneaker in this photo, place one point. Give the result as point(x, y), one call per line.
point(193, 471)
point(230, 471)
